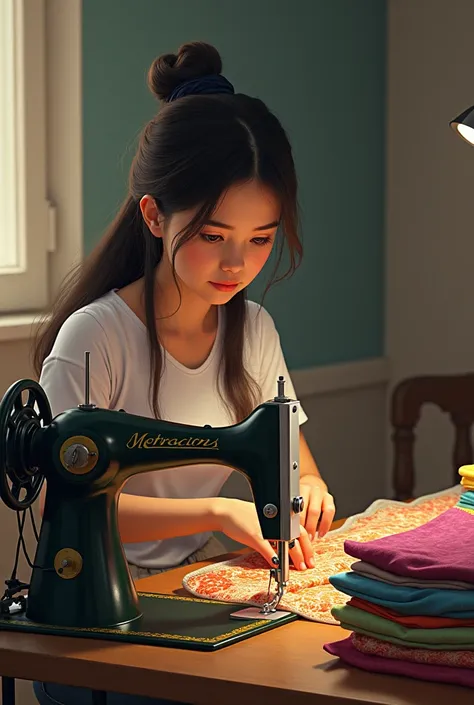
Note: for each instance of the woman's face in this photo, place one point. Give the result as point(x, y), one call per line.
point(231, 249)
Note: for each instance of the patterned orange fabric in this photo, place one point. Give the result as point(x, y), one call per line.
point(377, 647)
point(309, 594)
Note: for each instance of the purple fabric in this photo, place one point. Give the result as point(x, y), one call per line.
point(441, 549)
point(347, 652)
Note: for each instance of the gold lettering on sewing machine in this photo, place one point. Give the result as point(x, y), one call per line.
point(146, 441)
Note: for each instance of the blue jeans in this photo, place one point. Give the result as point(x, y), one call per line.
point(55, 694)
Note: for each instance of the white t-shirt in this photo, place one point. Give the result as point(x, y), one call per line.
point(120, 379)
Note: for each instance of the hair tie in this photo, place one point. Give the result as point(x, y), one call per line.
point(204, 85)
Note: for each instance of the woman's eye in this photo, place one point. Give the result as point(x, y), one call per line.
point(211, 238)
point(262, 240)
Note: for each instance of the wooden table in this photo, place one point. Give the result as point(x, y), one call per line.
point(286, 666)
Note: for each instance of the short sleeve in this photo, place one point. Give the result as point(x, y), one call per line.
point(272, 361)
point(63, 371)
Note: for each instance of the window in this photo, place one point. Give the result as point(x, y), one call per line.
point(24, 210)
point(9, 255)
point(40, 155)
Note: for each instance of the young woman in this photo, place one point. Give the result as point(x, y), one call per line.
point(161, 305)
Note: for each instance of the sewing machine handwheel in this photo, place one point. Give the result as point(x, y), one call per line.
point(23, 411)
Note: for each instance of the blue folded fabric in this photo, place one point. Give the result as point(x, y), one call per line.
point(458, 604)
point(466, 500)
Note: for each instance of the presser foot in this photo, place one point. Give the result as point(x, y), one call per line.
point(269, 609)
point(271, 605)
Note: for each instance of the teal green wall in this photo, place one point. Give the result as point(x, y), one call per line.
point(320, 66)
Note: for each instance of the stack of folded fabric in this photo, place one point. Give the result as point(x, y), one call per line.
point(411, 607)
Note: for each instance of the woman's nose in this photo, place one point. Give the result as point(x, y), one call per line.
point(233, 260)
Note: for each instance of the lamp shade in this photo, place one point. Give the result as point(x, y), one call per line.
point(464, 125)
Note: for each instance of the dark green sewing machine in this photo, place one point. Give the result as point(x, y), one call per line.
point(80, 583)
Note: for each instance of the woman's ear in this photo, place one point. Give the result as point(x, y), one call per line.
point(151, 215)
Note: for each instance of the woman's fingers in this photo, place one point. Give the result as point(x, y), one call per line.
point(327, 515)
point(302, 552)
point(267, 551)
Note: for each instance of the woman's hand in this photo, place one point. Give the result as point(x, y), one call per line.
point(318, 506)
point(238, 520)
point(301, 553)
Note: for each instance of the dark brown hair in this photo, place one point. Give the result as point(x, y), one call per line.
point(189, 154)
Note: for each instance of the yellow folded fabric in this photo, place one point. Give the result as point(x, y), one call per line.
point(467, 474)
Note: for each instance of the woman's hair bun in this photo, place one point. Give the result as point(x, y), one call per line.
point(193, 60)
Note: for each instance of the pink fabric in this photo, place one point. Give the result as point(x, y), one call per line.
point(441, 549)
point(347, 652)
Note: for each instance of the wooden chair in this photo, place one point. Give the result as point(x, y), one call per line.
point(453, 394)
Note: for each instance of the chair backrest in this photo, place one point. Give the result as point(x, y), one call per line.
point(453, 394)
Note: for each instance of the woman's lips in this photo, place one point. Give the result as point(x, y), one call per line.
point(222, 286)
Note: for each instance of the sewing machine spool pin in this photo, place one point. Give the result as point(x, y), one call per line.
point(87, 383)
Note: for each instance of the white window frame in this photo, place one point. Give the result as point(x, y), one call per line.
point(26, 286)
point(53, 157)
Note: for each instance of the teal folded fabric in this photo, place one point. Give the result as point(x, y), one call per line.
point(466, 500)
point(404, 600)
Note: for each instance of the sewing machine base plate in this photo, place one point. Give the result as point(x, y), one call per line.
point(256, 613)
point(167, 620)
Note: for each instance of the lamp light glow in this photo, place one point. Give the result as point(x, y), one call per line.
point(463, 125)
